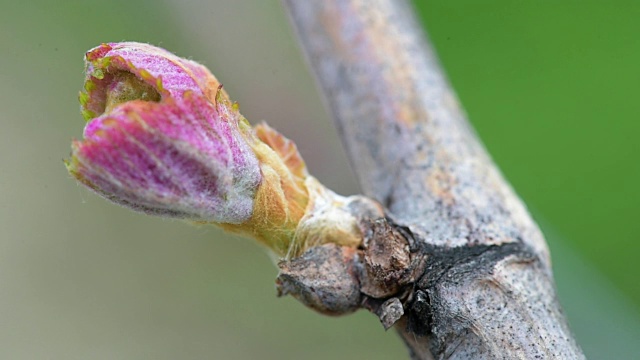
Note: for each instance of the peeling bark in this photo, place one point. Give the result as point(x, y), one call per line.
point(456, 262)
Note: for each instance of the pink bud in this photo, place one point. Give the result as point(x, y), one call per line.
point(163, 138)
point(166, 140)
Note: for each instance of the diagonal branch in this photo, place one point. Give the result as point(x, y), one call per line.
point(487, 291)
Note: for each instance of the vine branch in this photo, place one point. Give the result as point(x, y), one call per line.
point(487, 290)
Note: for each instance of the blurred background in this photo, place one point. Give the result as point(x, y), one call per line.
point(551, 87)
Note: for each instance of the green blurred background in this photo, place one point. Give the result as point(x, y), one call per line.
point(550, 86)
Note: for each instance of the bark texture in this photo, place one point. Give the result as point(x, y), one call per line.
point(484, 289)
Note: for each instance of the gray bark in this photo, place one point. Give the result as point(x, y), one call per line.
point(485, 288)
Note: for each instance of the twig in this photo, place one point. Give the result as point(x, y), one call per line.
point(487, 291)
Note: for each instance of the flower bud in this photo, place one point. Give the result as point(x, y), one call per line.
point(163, 138)
point(158, 144)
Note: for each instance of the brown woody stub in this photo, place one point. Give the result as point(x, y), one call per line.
point(324, 278)
point(337, 280)
point(390, 260)
point(386, 259)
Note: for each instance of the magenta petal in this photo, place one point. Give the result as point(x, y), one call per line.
point(165, 73)
point(180, 158)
